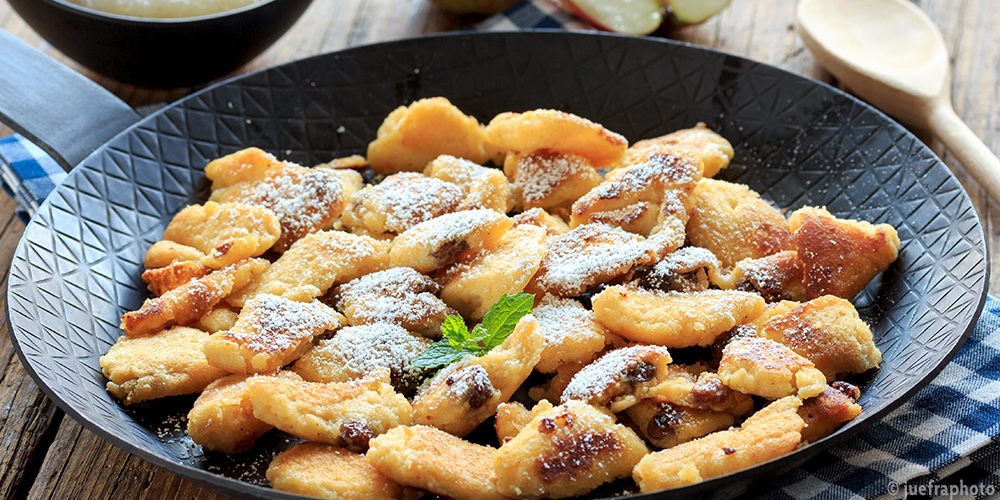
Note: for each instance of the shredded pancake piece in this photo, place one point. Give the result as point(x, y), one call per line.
point(269, 333)
point(547, 179)
point(357, 351)
point(465, 394)
point(651, 196)
point(344, 414)
point(765, 368)
point(400, 202)
point(840, 257)
point(713, 149)
point(734, 223)
point(673, 319)
point(618, 376)
point(556, 131)
point(441, 241)
point(474, 283)
point(304, 199)
point(400, 296)
point(168, 363)
point(192, 300)
point(222, 233)
point(429, 459)
point(768, 434)
point(326, 471)
point(827, 331)
point(568, 450)
point(316, 263)
point(588, 255)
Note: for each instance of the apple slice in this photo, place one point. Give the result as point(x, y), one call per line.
point(685, 12)
point(630, 17)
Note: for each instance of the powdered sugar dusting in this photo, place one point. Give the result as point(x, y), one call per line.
point(368, 348)
point(603, 378)
point(304, 199)
point(270, 324)
point(560, 319)
point(399, 295)
point(409, 198)
point(581, 257)
point(541, 172)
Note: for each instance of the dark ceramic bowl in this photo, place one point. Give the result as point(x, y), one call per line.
point(797, 142)
point(162, 53)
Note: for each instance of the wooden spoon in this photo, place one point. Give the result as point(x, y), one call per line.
point(891, 54)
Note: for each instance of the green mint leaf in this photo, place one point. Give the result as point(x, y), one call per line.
point(497, 325)
point(455, 331)
point(501, 319)
point(441, 353)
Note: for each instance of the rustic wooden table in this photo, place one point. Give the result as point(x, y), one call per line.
point(47, 455)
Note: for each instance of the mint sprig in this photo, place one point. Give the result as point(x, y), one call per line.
point(458, 341)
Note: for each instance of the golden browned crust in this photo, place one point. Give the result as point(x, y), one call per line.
point(342, 414)
point(167, 363)
point(824, 413)
point(466, 393)
point(673, 319)
point(316, 263)
point(223, 233)
point(768, 434)
point(556, 131)
point(192, 300)
point(269, 333)
point(827, 331)
point(775, 277)
point(474, 283)
point(430, 459)
point(222, 418)
point(411, 136)
point(735, 223)
point(325, 471)
point(400, 202)
point(713, 149)
point(566, 451)
point(163, 279)
point(840, 257)
point(666, 425)
point(763, 367)
point(305, 200)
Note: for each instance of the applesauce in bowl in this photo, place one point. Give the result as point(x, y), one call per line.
point(163, 9)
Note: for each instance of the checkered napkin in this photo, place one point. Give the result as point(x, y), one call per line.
point(937, 444)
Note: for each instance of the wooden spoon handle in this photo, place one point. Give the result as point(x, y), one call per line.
point(967, 147)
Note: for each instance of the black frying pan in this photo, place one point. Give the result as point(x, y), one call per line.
point(797, 142)
point(162, 53)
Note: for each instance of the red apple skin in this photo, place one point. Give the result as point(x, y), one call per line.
point(475, 6)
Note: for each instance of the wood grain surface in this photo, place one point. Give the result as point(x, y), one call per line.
point(47, 455)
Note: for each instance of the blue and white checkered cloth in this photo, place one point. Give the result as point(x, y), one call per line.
point(938, 444)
